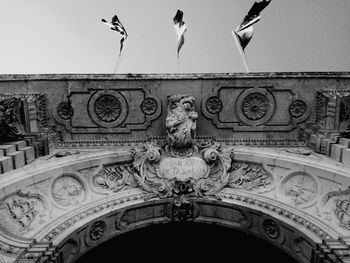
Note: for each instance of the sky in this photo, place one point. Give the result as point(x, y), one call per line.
point(67, 36)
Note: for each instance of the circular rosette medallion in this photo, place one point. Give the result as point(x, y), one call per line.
point(183, 168)
point(297, 109)
point(255, 106)
point(107, 109)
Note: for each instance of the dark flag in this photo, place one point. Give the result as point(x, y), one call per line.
point(244, 31)
point(180, 29)
point(116, 25)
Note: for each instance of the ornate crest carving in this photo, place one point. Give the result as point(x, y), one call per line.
point(182, 167)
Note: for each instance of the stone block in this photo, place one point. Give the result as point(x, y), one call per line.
point(336, 152)
point(29, 154)
point(18, 159)
point(345, 142)
point(19, 144)
point(346, 156)
point(319, 139)
point(6, 164)
point(7, 148)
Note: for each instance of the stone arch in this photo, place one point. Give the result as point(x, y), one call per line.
point(99, 214)
point(267, 227)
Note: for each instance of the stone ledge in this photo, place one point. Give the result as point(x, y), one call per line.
point(129, 76)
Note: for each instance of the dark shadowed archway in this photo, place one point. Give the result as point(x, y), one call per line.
point(180, 242)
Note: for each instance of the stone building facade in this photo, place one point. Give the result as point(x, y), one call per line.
point(84, 158)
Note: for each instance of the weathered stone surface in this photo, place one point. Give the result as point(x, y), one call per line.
point(6, 164)
point(19, 144)
point(337, 152)
point(7, 149)
point(18, 159)
point(29, 154)
point(346, 156)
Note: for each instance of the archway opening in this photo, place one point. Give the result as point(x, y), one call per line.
point(186, 241)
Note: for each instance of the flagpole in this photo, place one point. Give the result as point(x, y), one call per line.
point(241, 52)
point(117, 64)
point(178, 64)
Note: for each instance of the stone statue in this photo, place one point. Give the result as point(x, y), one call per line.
point(181, 121)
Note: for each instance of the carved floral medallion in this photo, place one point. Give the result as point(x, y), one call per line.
point(107, 108)
point(213, 105)
point(149, 106)
point(97, 230)
point(297, 108)
point(271, 229)
point(255, 106)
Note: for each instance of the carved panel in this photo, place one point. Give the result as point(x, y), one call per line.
point(68, 190)
point(336, 207)
point(299, 189)
point(255, 109)
point(249, 177)
point(114, 178)
point(108, 111)
point(24, 211)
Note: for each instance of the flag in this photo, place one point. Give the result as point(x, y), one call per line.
point(244, 31)
point(180, 29)
point(116, 25)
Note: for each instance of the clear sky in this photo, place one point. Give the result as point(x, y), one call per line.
point(67, 36)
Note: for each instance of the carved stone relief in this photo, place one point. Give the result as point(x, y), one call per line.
point(65, 110)
point(149, 106)
point(271, 228)
point(68, 190)
point(182, 210)
point(297, 109)
point(12, 120)
point(255, 106)
point(23, 210)
point(249, 177)
point(114, 178)
point(97, 230)
point(245, 109)
point(107, 111)
point(336, 206)
point(181, 121)
point(213, 105)
point(299, 189)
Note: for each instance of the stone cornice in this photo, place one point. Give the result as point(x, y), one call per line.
point(172, 76)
